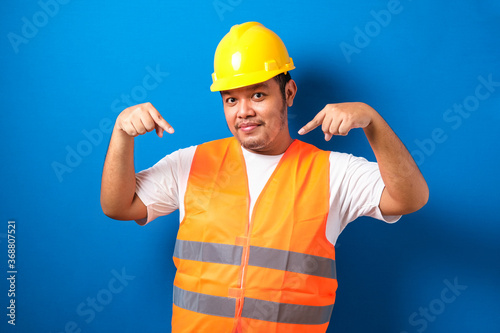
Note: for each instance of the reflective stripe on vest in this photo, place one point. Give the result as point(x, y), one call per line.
point(252, 308)
point(270, 272)
point(259, 256)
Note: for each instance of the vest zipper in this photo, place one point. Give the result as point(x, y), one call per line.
point(245, 255)
point(246, 248)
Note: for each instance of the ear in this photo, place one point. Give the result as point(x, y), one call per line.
point(290, 91)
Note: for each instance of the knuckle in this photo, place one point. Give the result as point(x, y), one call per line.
point(127, 122)
point(143, 109)
point(131, 131)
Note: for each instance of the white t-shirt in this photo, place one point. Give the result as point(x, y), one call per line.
point(355, 186)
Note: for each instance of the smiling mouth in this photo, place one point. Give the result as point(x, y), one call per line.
point(248, 127)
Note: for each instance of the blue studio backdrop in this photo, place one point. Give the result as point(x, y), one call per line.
point(431, 69)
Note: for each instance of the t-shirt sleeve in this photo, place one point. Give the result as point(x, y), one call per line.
point(158, 186)
point(356, 186)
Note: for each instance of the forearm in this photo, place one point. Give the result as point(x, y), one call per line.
point(405, 188)
point(118, 178)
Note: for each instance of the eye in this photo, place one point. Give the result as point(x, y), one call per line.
point(231, 100)
point(258, 95)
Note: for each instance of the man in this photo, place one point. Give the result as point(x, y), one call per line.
point(260, 212)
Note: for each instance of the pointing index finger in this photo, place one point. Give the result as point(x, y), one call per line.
point(318, 120)
point(161, 123)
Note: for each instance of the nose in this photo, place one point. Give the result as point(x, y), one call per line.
point(245, 109)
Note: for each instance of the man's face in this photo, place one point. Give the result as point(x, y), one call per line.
point(257, 117)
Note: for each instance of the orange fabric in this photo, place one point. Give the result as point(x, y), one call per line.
point(260, 326)
point(207, 278)
point(290, 214)
point(182, 321)
point(289, 287)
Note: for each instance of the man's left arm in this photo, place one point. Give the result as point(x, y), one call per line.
point(405, 190)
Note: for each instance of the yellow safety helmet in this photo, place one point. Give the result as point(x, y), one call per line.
point(248, 54)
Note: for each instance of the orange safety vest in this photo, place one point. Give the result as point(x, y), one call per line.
point(268, 273)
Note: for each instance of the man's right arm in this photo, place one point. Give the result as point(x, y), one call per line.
point(118, 198)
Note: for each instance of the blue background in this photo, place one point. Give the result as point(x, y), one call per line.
point(61, 89)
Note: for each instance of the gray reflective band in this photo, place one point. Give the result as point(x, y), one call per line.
point(206, 304)
point(292, 262)
point(252, 308)
point(259, 256)
point(208, 252)
point(286, 313)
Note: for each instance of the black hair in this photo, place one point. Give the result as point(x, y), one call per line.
point(282, 79)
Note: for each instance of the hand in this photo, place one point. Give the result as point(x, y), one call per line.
point(142, 118)
point(339, 119)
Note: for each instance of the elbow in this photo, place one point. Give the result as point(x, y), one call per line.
point(423, 196)
point(405, 205)
point(115, 214)
point(419, 201)
point(111, 210)
point(118, 210)
point(110, 214)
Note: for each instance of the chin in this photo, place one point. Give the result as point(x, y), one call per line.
point(253, 143)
